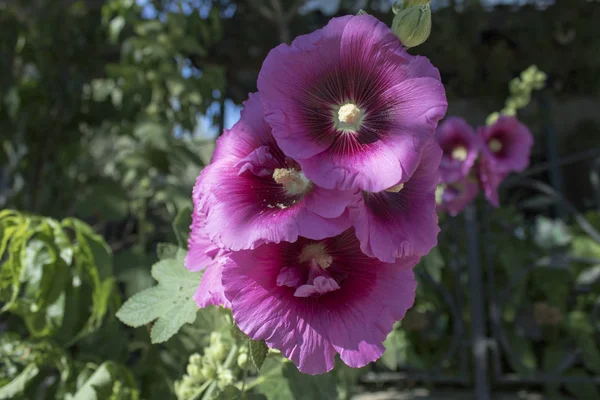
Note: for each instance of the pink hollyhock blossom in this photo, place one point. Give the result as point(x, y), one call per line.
point(507, 145)
point(456, 196)
point(252, 193)
point(313, 299)
point(350, 105)
point(204, 255)
point(402, 220)
point(490, 180)
point(460, 145)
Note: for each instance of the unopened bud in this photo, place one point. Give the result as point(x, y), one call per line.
point(242, 360)
point(412, 24)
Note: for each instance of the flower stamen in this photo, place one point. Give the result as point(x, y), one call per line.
point(459, 153)
point(395, 188)
point(318, 253)
point(495, 145)
point(349, 118)
point(293, 181)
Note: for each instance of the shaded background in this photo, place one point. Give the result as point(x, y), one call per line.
point(109, 110)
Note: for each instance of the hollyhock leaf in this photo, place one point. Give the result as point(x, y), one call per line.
point(166, 250)
point(258, 352)
point(170, 302)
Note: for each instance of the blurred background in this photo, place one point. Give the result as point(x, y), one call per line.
point(109, 109)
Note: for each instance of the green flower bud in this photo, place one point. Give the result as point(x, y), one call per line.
point(439, 193)
point(195, 359)
point(412, 25)
point(242, 360)
point(400, 5)
point(193, 370)
point(224, 377)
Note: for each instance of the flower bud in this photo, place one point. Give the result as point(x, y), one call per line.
point(412, 25)
point(242, 360)
point(224, 377)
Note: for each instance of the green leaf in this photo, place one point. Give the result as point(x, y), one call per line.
point(396, 347)
point(181, 226)
point(589, 277)
point(18, 385)
point(166, 250)
point(434, 264)
point(232, 393)
point(310, 387)
point(258, 352)
point(521, 349)
point(170, 303)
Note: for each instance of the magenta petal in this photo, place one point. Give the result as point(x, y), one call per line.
point(290, 276)
point(249, 133)
point(374, 169)
point(210, 291)
point(391, 225)
point(310, 324)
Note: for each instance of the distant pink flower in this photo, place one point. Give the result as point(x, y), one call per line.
point(313, 299)
point(490, 180)
point(455, 197)
point(401, 221)
point(203, 255)
point(350, 105)
point(252, 193)
point(507, 145)
point(460, 145)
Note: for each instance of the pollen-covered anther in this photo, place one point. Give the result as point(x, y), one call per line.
point(292, 180)
point(349, 114)
point(495, 145)
point(395, 188)
point(459, 153)
point(318, 253)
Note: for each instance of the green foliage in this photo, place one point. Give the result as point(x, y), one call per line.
point(258, 353)
point(170, 303)
point(48, 270)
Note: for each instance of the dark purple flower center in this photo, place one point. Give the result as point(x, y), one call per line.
point(310, 270)
point(345, 106)
point(274, 181)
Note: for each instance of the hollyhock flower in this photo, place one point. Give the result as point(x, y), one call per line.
point(350, 105)
point(455, 197)
point(460, 145)
point(313, 299)
point(252, 193)
point(204, 255)
point(401, 221)
point(507, 145)
point(490, 180)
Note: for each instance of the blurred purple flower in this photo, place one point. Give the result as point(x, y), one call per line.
point(506, 145)
point(456, 196)
point(461, 147)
